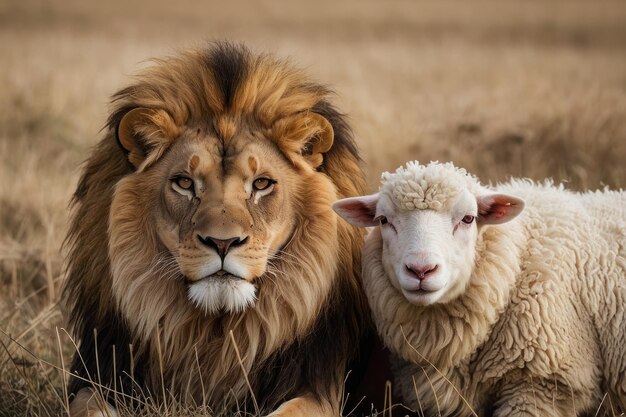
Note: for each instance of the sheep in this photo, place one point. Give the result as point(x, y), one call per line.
point(503, 301)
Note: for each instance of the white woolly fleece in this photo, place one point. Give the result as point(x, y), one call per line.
point(540, 329)
point(433, 186)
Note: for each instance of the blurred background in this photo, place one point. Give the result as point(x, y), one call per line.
point(502, 88)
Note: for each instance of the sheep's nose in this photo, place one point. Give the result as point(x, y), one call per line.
point(222, 246)
point(421, 271)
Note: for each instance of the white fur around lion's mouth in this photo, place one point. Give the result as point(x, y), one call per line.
point(222, 292)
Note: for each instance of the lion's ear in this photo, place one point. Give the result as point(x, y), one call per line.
point(320, 141)
point(145, 133)
point(307, 134)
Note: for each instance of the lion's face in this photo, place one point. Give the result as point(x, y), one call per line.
point(217, 208)
point(222, 210)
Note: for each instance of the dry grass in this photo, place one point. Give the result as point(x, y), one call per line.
point(528, 89)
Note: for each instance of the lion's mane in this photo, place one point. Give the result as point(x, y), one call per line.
point(294, 339)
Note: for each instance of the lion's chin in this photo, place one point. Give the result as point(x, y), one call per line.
point(215, 294)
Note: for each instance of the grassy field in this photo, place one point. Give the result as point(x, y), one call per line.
point(533, 89)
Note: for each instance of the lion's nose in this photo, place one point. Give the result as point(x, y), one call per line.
point(222, 246)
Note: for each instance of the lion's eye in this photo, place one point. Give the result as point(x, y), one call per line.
point(184, 183)
point(383, 220)
point(261, 184)
point(468, 219)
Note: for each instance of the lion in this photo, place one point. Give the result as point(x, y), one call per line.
point(205, 262)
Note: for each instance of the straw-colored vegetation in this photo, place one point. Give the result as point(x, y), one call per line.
point(534, 89)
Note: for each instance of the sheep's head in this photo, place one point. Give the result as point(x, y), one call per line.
point(430, 217)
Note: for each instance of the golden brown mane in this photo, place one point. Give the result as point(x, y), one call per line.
point(302, 332)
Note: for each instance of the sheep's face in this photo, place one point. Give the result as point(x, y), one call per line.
point(428, 254)
point(429, 223)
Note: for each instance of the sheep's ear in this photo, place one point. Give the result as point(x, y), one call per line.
point(498, 208)
point(359, 211)
point(142, 131)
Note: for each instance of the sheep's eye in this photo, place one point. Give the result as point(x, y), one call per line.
point(184, 183)
point(383, 220)
point(468, 219)
point(262, 183)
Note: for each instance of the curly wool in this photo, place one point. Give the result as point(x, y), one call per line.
point(538, 331)
point(433, 186)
